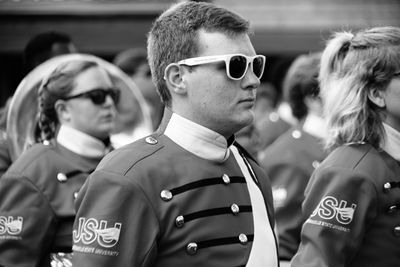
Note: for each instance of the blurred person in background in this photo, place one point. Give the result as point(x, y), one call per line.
point(351, 206)
point(266, 102)
point(134, 63)
point(38, 49)
point(291, 159)
point(46, 45)
point(249, 136)
point(276, 122)
point(76, 116)
point(197, 198)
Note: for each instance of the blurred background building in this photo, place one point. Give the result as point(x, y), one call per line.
point(283, 28)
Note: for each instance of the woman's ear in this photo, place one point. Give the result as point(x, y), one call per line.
point(173, 76)
point(62, 110)
point(377, 97)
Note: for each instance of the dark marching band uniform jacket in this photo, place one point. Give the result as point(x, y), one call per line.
point(181, 198)
point(37, 196)
point(289, 163)
point(352, 209)
point(275, 124)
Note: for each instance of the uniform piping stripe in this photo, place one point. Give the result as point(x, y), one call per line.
point(206, 182)
point(76, 172)
point(249, 168)
point(213, 212)
point(394, 184)
point(222, 241)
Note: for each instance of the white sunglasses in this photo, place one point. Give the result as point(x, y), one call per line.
point(236, 64)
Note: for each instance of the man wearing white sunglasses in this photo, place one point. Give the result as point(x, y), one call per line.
point(188, 195)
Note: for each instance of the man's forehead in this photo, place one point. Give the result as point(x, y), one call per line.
point(219, 42)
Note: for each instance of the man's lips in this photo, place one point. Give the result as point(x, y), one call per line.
point(248, 100)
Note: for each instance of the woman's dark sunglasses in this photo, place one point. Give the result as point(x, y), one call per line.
point(98, 95)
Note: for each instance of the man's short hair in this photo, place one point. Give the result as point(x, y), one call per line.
point(174, 36)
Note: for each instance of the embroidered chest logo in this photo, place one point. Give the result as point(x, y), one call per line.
point(91, 231)
point(10, 227)
point(339, 213)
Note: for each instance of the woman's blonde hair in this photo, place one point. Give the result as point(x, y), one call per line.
point(351, 66)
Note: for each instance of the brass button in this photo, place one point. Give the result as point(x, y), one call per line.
point(46, 142)
point(61, 177)
point(273, 116)
point(243, 239)
point(75, 195)
point(166, 195)
point(396, 231)
point(315, 164)
point(392, 209)
point(226, 179)
point(235, 209)
point(296, 134)
point(179, 221)
point(387, 187)
point(151, 140)
point(191, 248)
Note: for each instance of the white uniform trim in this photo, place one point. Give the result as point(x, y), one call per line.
point(263, 252)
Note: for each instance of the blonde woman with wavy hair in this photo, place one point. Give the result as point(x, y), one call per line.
point(351, 210)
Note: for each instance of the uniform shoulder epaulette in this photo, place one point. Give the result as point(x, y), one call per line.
point(355, 154)
point(35, 151)
point(124, 158)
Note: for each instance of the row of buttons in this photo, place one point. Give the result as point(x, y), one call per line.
point(390, 185)
point(192, 247)
point(180, 220)
point(167, 195)
point(392, 209)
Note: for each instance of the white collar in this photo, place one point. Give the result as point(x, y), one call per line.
point(197, 139)
point(391, 142)
point(315, 125)
point(80, 142)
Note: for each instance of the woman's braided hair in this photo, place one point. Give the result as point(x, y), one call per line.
point(57, 86)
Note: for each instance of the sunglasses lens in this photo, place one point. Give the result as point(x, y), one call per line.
point(114, 93)
point(98, 97)
point(237, 66)
point(258, 66)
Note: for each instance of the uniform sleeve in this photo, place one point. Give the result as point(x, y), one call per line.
point(289, 183)
point(115, 224)
point(339, 205)
point(26, 223)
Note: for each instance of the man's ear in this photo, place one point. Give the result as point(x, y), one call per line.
point(173, 76)
point(377, 97)
point(62, 110)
